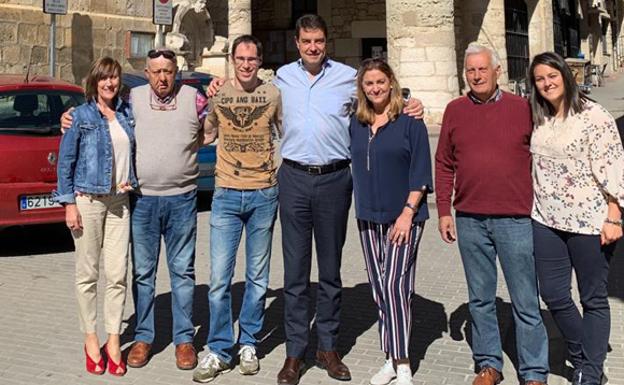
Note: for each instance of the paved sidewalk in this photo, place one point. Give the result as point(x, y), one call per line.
point(40, 341)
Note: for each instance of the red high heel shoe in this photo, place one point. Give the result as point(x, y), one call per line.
point(95, 367)
point(114, 366)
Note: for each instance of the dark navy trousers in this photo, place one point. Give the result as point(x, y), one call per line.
point(312, 206)
point(557, 253)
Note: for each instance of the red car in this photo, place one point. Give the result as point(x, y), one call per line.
point(30, 111)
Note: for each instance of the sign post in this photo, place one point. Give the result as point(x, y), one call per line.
point(53, 7)
point(163, 15)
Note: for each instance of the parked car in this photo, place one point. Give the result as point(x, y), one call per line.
point(207, 155)
point(30, 111)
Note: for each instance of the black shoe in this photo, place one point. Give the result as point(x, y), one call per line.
point(577, 376)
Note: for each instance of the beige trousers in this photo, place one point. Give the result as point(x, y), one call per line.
point(105, 233)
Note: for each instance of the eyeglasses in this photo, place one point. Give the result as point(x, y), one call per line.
point(251, 60)
point(166, 53)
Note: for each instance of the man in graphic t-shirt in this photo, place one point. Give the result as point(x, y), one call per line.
point(246, 111)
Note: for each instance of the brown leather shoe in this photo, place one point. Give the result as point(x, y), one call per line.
point(186, 356)
point(488, 376)
point(291, 371)
point(533, 382)
point(139, 355)
point(331, 362)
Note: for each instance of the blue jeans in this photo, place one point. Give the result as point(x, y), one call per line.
point(175, 218)
point(481, 238)
point(232, 209)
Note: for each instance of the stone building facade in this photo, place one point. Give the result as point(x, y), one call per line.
point(91, 29)
point(424, 40)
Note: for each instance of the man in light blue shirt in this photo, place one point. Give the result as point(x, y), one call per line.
point(315, 194)
point(316, 111)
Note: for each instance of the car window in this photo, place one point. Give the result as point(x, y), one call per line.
point(35, 112)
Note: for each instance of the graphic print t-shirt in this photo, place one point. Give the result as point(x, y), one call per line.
point(246, 150)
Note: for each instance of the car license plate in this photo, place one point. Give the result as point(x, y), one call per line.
point(36, 202)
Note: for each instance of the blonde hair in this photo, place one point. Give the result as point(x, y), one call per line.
point(365, 112)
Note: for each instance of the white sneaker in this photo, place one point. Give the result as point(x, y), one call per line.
point(209, 368)
point(248, 360)
point(404, 375)
point(385, 375)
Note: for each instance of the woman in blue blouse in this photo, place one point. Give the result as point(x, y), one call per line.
point(95, 173)
point(391, 177)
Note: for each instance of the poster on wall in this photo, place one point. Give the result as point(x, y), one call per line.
point(163, 12)
point(56, 7)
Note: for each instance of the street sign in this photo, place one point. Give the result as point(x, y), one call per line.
point(163, 12)
point(55, 7)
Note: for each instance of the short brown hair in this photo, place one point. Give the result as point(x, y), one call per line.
point(364, 111)
point(310, 21)
point(102, 68)
point(247, 39)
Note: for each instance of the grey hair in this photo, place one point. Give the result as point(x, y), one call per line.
point(474, 49)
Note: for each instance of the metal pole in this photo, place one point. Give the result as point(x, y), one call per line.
point(52, 43)
point(160, 37)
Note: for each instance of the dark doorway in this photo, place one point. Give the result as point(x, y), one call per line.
point(302, 7)
point(517, 38)
point(566, 28)
point(375, 48)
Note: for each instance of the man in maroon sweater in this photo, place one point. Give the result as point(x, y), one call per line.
point(483, 153)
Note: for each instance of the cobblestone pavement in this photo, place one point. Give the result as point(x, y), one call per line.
point(40, 342)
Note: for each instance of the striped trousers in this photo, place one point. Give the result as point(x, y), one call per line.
point(391, 273)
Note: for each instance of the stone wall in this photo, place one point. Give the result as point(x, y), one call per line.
point(592, 26)
point(484, 23)
point(350, 22)
point(91, 29)
point(421, 49)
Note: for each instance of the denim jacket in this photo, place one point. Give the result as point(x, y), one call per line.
point(86, 154)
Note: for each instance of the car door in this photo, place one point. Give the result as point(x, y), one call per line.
point(29, 142)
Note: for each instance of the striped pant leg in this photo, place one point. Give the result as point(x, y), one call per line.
point(400, 274)
point(373, 239)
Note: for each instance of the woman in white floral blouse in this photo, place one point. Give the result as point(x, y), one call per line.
point(578, 181)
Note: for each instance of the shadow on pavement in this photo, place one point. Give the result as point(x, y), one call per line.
point(358, 315)
point(460, 329)
point(35, 239)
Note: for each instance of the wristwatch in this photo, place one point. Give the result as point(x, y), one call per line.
point(411, 207)
point(617, 222)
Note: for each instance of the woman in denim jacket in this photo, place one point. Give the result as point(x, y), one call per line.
point(95, 173)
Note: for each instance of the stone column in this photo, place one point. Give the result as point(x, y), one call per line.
point(239, 18)
point(239, 21)
point(483, 23)
point(541, 35)
point(421, 50)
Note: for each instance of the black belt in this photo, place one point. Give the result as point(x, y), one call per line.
point(319, 170)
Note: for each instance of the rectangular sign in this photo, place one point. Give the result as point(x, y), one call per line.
point(163, 12)
point(37, 202)
point(57, 7)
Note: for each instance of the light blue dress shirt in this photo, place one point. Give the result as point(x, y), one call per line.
point(316, 112)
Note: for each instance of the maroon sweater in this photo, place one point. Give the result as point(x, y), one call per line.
point(484, 150)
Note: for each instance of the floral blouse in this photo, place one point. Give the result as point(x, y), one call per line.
point(577, 163)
